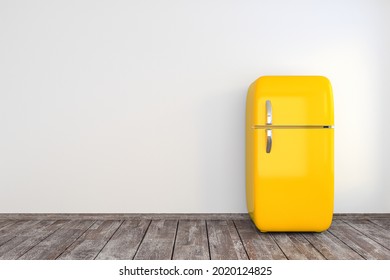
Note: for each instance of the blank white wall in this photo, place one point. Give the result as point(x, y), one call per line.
point(139, 106)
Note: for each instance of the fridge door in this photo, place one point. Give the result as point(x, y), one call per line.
point(293, 182)
point(293, 100)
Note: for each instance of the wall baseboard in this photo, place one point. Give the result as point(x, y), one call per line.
point(162, 216)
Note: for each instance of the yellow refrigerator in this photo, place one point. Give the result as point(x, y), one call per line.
point(289, 153)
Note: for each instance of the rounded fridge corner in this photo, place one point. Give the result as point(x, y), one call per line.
point(326, 225)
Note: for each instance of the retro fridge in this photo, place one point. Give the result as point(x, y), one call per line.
point(289, 153)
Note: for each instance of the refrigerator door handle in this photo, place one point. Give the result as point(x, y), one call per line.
point(268, 107)
point(269, 141)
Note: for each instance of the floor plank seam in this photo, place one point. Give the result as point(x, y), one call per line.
point(313, 245)
point(44, 238)
point(122, 221)
point(142, 239)
point(242, 242)
point(5, 225)
point(9, 240)
point(208, 239)
point(12, 223)
point(15, 233)
point(378, 225)
point(369, 237)
point(174, 239)
point(94, 222)
point(274, 239)
point(4, 243)
point(346, 244)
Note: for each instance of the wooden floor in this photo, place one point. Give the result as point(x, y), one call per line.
point(210, 236)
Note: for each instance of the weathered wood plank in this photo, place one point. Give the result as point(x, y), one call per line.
point(371, 230)
point(350, 237)
point(4, 223)
point(296, 247)
point(158, 241)
point(225, 243)
point(259, 246)
point(191, 241)
point(384, 223)
point(28, 238)
point(12, 229)
point(360, 243)
point(124, 243)
point(331, 247)
point(88, 246)
point(364, 216)
point(51, 247)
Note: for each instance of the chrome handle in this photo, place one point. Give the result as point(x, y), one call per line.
point(269, 141)
point(268, 107)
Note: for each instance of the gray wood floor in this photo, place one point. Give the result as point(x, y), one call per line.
point(195, 237)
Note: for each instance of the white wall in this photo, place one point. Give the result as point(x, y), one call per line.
point(138, 106)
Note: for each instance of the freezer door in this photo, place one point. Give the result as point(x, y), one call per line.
point(293, 100)
point(294, 181)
